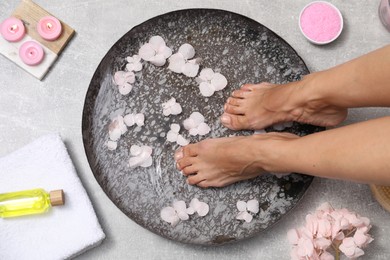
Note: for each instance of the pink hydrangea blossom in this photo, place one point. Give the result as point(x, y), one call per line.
point(328, 229)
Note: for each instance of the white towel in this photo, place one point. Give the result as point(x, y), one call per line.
point(64, 231)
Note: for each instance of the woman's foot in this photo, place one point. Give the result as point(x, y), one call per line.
point(261, 105)
point(223, 161)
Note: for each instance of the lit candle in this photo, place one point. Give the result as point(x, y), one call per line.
point(49, 28)
point(12, 29)
point(31, 53)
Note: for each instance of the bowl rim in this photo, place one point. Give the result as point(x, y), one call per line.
point(337, 11)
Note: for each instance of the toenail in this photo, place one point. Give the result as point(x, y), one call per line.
point(225, 119)
point(179, 154)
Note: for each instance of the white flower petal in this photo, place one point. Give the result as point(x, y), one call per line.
point(241, 215)
point(147, 163)
point(125, 89)
point(176, 109)
point(156, 42)
point(146, 52)
point(137, 66)
point(158, 60)
point(190, 210)
point(119, 78)
point(139, 119)
point(123, 129)
point(111, 145)
point(219, 81)
point(135, 150)
point(248, 217)
point(168, 214)
point(182, 141)
point(203, 209)
point(189, 123)
point(187, 51)
point(253, 206)
point(167, 111)
point(193, 131)
point(176, 63)
point(203, 129)
point(179, 205)
point(206, 89)
point(147, 150)
point(129, 77)
point(115, 134)
point(169, 103)
point(183, 215)
point(190, 69)
point(129, 119)
point(194, 203)
point(172, 136)
point(165, 51)
point(241, 205)
point(197, 117)
point(175, 128)
point(136, 161)
point(206, 74)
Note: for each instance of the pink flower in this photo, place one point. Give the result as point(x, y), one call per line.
point(350, 249)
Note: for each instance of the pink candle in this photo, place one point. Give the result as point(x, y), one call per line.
point(12, 29)
point(49, 28)
point(31, 53)
point(321, 22)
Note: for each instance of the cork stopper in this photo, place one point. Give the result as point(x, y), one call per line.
point(57, 197)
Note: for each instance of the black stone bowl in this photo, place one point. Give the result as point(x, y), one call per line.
point(242, 50)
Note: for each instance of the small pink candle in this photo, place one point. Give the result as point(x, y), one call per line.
point(12, 29)
point(31, 53)
point(49, 28)
point(321, 22)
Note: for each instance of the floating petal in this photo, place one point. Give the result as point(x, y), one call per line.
point(197, 117)
point(189, 123)
point(135, 150)
point(182, 141)
point(139, 119)
point(203, 129)
point(219, 81)
point(241, 205)
point(129, 119)
point(206, 74)
point(156, 42)
point(176, 63)
point(176, 109)
point(187, 51)
point(190, 69)
point(169, 103)
point(194, 131)
point(146, 52)
point(165, 51)
point(148, 162)
point(206, 89)
point(172, 136)
point(115, 134)
point(158, 60)
point(253, 206)
point(175, 128)
point(111, 145)
point(125, 89)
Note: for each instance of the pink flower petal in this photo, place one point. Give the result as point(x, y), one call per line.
point(119, 78)
point(203, 129)
point(158, 60)
point(169, 103)
point(197, 117)
point(305, 247)
point(206, 89)
point(156, 42)
point(190, 210)
point(244, 215)
point(179, 205)
point(129, 77)
point(172, 136)
point(189, 123)
point(176, 63)
point(201, 208)
point(253, 206)
point(176, 109)
point(168, 214)
point(115, 134)
point(165, 51)
point(206, 74)
point(183, 215)
point(136, 161)
point(182, 141)
point(147, 163)
point(135, 150)
point(241, 205)
point(111, 145)
point(322, 243)
point(175, 128)
point(129, 119)
point(193, 131)
point(190, 69)
point(125, 89)
point(146, 52)
point(326, 256)
point(187, 51)
point(139, 119)
point(219, 81)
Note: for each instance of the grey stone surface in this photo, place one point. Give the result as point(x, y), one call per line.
point(30, 108)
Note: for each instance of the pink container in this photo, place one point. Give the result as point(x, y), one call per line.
point(384, 13)
point(320, 22)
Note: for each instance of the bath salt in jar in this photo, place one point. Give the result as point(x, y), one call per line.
point(384, 13)
point(320, 22)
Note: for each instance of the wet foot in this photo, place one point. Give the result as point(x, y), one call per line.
point(256, 106)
